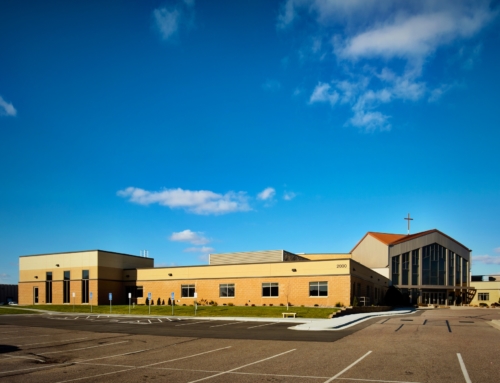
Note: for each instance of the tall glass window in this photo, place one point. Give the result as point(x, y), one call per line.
point(66, 287)
point(433, 265)
point(85, 286)
point(318, 289)
point(458, 269)
point(405, 269)
point(395, 270)
point(464, 272)
point(441, 265)
point(414, 267)
point(451, 264)
point(270, 290)
point(426, 266)
point(48, 287)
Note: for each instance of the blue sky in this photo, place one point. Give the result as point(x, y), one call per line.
point(190, 127)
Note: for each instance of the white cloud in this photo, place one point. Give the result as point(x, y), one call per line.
point(288, 196)
point(381, 48)
point(271, 85)
point(169, 20)
point(414, 36)
point(266, 194)
point(438, 92)
point(6, 108)
point(487, 259)
point(323, 93)
point(196, 238)
point(203, 202)
point(202, 249)
point(497, 250)
point(370, 121)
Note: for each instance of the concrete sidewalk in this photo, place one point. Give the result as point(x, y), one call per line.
point(346, 321)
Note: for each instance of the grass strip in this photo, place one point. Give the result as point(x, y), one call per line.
point(13, 311)
point(205, 311)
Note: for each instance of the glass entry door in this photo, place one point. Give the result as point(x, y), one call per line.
point(35, 295)
point(434, 298)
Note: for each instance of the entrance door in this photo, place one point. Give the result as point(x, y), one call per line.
point(35, 295)
point(434, 297)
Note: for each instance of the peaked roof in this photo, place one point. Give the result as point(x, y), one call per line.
point(422, 233)
point(394, 239)
point(385, 238)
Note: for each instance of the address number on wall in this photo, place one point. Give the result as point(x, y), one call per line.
point(343, 265)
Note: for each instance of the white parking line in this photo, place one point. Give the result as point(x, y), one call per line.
point(464, 370)
point(112, 356)
point(170, 320)
point(36, 368)
point(227, 324)
point(238, 368)
point(26, 336)
point(267, 324)
point(145, 366)
point(22, 357)
point(55, 341)
point(188, 324)
point(348, 367)
point(83, 348)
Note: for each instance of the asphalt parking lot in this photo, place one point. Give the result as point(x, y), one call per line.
point(433, 346)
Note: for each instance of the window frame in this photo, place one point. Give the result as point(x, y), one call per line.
point(482, 297)
point(271, 286)
point(227, 287)
point(318, 290)
point(191, 289)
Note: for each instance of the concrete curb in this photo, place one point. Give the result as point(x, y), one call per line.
point(341, 323)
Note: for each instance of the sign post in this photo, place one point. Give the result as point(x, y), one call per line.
point(91, 301)
point(172, 297)
point(110, 299)
point(74, 301)
point(149, 301)
point(129, 298)
point(195, 303)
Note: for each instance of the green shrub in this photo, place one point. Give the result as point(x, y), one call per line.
point(230, 304)
point(338, 304)
point(316, 305)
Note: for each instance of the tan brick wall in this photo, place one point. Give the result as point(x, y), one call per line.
point(249, 290)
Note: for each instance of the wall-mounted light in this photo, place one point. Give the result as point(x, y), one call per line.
point(294, 270)
point(169, 275)
point(36, 276)
point(57, 264)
